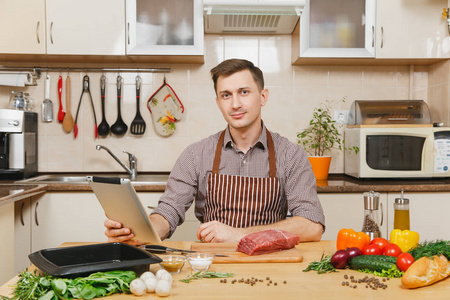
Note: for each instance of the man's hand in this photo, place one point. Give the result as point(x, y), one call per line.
point(217, 232)
point(117, 233)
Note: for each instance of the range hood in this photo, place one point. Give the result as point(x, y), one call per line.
point(252, 16)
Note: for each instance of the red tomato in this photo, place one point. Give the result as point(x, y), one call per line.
point(380, 242)
point(404, 260)
point(373, 249)
point(392, 250)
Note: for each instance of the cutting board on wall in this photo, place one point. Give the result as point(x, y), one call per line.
point(292, 255)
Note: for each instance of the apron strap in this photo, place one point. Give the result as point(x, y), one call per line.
point(270, 146)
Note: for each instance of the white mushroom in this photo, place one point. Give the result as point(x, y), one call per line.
point(163, 288)
point(150, 283)
point(146, 275)
point(137, 287)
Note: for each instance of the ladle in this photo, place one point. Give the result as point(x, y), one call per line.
point(119, 127)
point(103, 128)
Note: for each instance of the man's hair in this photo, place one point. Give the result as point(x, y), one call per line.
point(231, 66)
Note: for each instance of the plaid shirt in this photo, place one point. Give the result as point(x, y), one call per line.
point(189, 176)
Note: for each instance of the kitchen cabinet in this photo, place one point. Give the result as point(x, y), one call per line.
point(85, 27)
point(168, 27)
point(22, 27)
point(22, 234)
point(343, 28)
point(411, 29)
point(428, 214)
point(346, 210)
point(6, 246)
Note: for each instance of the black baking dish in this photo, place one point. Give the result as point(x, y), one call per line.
point(84, 260)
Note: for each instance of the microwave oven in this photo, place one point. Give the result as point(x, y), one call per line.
point(397, 152)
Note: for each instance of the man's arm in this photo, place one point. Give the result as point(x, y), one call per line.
point(216, 232)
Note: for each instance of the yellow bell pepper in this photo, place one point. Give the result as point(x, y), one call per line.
point(405, 239)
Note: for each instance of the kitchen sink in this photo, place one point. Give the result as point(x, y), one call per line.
point(148, 179)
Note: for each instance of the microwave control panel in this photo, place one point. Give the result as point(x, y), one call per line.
point(442, 148)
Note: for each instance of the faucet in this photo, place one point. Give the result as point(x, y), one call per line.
point(132, 170)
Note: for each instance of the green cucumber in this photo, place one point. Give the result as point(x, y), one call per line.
point(373, 262)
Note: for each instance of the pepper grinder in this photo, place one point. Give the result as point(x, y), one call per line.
point(373, 219)
point(401, 213)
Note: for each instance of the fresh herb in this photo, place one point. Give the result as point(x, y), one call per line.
point(393, 272)
point(206, 274)
point(45, 287)
point(322, 266)
point(431, 248)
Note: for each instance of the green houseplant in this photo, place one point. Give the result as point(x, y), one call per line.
point(320, 136)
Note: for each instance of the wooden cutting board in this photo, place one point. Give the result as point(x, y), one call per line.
point(285, 256)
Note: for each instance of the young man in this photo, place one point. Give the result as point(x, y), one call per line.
point(243, 179)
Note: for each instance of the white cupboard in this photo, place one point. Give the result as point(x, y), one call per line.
point(411, 29)
point(22, 27)
point(6, 246)
point(85, 27)
point(169, 27)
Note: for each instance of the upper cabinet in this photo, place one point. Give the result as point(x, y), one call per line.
point(412, 29)
point(343, 28)
point(22, 27)
point(85, 27)
point(170, 27)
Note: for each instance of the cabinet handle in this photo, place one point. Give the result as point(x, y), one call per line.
point(51, 32)
point(151, 207)
point(37, 32)
point(381, 207)
point(373, 36)
point(382, 37)
point(21, 214)
point(128, 32)
point(36, 214)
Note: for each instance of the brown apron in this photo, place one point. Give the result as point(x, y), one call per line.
point(241, 201)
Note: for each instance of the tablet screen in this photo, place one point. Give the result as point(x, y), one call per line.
point(121, 203)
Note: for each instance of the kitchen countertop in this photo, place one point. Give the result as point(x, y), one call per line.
point(11, 191)
point(299, 284)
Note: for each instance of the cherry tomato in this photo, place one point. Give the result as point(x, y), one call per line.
point(392, 250)
point(404, 260)
point(380, 242)
point(373, 249)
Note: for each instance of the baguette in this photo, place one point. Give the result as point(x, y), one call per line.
point(426, 271)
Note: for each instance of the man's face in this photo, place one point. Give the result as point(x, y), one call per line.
point(240, 100)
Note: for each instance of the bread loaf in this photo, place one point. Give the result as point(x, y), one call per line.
point(426, 271)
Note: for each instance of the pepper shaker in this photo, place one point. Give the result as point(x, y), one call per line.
point(373, 219)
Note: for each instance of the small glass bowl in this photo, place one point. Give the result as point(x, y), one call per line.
point(172, 263)
point(200, 261)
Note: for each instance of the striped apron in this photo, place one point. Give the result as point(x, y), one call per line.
point(241, 201)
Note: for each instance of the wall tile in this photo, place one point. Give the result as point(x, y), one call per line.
point(245, 47)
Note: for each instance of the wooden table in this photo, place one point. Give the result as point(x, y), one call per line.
point(299, 284)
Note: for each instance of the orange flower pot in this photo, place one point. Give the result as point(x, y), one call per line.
point(320, 166)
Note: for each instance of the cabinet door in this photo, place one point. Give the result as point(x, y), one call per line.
point(186, 231)
point(86, 27)
point(347, 211)
point(22, 234)
point(66, 217)
point(6, 245)
point(411, 29)
point(22, 26)
point(170, 27)
point(342, 28)
point(428, 214)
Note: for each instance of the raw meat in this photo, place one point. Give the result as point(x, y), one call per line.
point(267, 241)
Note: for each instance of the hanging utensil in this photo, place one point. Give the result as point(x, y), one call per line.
point(138, 125)
point(119, 127)
point(86, 89)
point(68, 119)
point(47, 104)
point(61, 112)
point(103, 127)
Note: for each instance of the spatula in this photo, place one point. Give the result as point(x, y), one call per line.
point(61, 112)
point(68, 119)
point(138, 125)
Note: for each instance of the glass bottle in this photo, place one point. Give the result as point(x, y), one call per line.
point(401, 213)
point(373, 216)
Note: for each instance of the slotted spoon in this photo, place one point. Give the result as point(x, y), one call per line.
point(138, 125)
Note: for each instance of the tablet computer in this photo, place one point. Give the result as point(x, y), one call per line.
point(121, 203)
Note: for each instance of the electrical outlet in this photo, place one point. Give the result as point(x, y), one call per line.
point(341, 116)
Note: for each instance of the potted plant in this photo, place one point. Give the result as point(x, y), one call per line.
point(321, 135)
